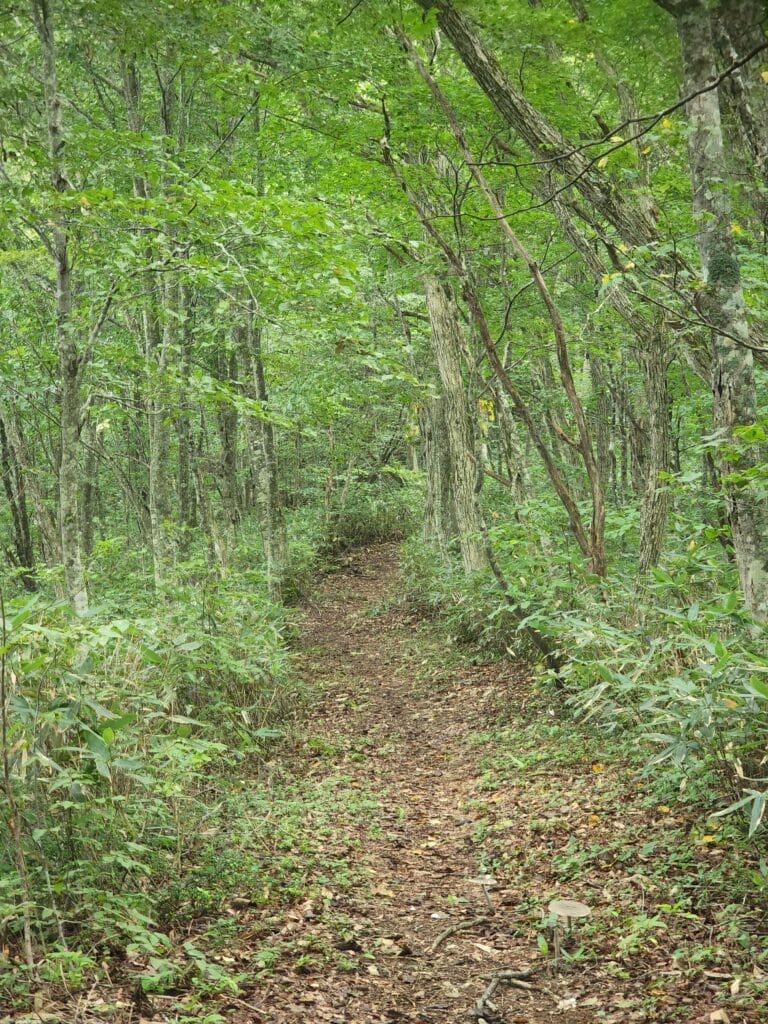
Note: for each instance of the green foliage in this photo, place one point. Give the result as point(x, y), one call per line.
point(673, 664)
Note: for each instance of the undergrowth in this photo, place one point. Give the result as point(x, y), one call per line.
point(672, 662)
point(143, 788)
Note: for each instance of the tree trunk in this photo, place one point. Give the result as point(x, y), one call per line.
point(217, 547)
point(512, 449)
point(584, 446)
point(70, 366)
point(722, 302)
point(46, 524)
point(601, 418)
point(264, 453)
point(227, 421)
point(656, 497)
point(90, 487)
point(159, 337)
point(186, 486)
point(446, 342)
point(22, 556)
point(738, 30)
point(157, 347)
point(440, 526)
point(634, 226)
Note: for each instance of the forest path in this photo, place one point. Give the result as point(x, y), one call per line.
point(393, 717)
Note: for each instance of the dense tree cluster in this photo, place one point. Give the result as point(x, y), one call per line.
point(278, 278)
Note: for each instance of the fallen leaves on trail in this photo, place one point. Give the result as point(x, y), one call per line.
point(468, 834)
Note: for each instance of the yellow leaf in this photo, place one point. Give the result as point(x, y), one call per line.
point(593, 819)
point(736, 228)
point(602, 162)
point(708, 839)
point(666, 123)
point(764, 75)
point(622, 247)
point(630, 265)
point(646, 151)
point(598, 767)
point(664, 809)
point(616, 138)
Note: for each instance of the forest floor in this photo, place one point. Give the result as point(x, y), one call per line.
point(399, 852)
point(476, 806)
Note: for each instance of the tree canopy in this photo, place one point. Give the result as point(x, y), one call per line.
point(280, 280)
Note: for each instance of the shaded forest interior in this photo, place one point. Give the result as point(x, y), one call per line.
point(437, 325)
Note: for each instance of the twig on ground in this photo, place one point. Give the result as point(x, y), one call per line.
point(246, 1006)
point(460, 926)
point(515, 979)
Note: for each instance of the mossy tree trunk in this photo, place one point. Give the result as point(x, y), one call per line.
point(722, 305)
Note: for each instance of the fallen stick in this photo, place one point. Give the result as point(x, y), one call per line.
point(515, 979)
point(461, 926)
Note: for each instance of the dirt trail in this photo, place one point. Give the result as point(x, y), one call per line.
point(411, 721)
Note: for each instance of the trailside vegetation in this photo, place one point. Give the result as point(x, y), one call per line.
point(282, 280)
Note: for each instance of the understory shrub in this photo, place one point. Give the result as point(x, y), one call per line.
point(385, 509)
point(673, 660)
point(118, 728)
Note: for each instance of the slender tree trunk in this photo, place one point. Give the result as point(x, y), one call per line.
point(512, 449)
point(738, 30)
point(601, 419)
point(186, 486)
point(90, 486)
point(70, 365)
point(22, 555)
point(46, 524)
point(722, 302)
point(447, 345)
point(159, 337)
point(227, 421)
point(440, 526)
point(158, 345)
point(264, 453)
point(217, 547)
point(656, 498)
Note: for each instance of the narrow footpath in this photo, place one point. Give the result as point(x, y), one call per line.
point(419, 875)
point(463, 841)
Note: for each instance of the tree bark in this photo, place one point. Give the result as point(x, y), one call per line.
point(722, 300)
point(264, 453)
point(70, 364)
point(634, 226)
point(159, 337)
point(90, 486)
point(462, 458)
point(22, 556)
point(656, 497)
point(46, 524)
point(738, 29)
point(227, 421)
point(440, 526)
